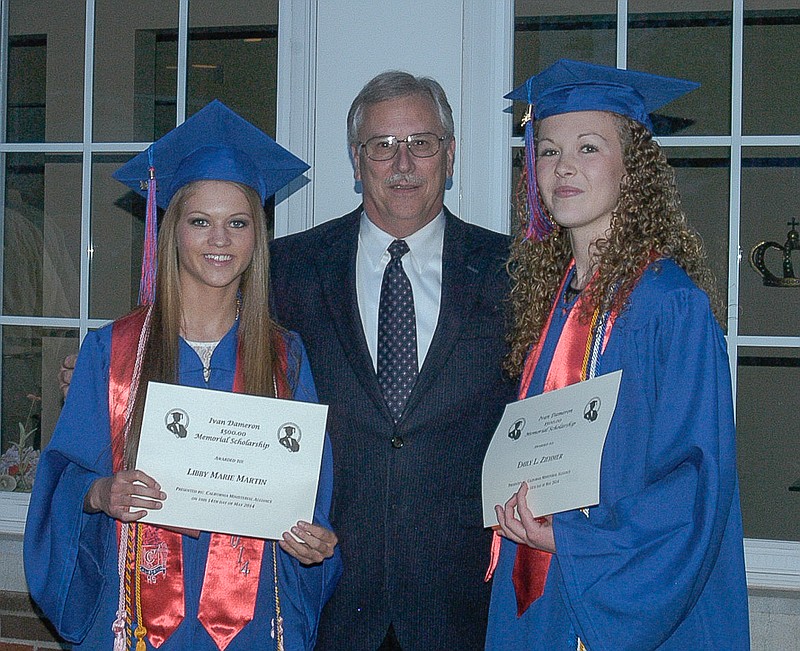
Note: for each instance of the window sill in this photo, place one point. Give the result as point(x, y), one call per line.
point(13, 510)
point(772, 564)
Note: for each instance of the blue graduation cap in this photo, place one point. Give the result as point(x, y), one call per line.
point(568, 86)
point(214, 144)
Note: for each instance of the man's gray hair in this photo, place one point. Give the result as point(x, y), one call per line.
point(392, 85)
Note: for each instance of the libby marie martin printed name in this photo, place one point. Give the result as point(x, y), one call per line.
point(213, 474)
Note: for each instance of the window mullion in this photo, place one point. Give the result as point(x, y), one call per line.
point(86, 167)
point(183, 47)
point(622, 34)
point(734, 245)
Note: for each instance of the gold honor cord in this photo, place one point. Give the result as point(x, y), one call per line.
point(278, 624)
point(140, 630)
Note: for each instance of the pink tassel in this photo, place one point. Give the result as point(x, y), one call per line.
point(540, 224)
point(147, 285)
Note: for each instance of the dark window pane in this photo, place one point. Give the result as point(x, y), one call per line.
point(45, 70)
point(27, 89)
point(768, 445)
point(135, 49)
point(665, 41)
point(41, 235)
point(770, 203)
point(771, 59)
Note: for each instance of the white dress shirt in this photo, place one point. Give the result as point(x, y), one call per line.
point(423, 266)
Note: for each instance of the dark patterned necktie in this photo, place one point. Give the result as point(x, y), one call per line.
point(397, 333)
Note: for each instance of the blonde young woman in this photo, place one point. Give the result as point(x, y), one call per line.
point(102, 578)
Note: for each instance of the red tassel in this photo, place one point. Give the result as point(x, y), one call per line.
point(147, 285)
point(494, 556)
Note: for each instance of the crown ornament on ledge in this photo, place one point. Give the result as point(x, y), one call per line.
point(788, 279)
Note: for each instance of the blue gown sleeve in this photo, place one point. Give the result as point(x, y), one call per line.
point(312, 585)
point(65, 549)
point(668, 482)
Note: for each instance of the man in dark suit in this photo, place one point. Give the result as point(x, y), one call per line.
point(407, 488)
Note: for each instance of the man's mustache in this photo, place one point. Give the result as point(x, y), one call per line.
point(404, 179)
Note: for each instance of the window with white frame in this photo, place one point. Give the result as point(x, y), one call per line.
point(85, 85)
point(735, 144)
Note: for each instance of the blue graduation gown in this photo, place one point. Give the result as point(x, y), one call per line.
point(659, 564)
point(70, 556)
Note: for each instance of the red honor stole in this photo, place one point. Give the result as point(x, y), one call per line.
point(233, 565)
point(574, 360)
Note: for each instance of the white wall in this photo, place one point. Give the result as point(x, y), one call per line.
point(328, 50)
point(362, 38)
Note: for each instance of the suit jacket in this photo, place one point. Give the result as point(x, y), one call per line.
point(406, 503)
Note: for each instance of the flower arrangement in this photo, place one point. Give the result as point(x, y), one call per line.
point(18, 463)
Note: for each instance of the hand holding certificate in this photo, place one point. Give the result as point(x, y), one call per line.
point(554, 443)
point(231, 462)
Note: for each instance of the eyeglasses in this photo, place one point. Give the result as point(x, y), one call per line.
point(421, 145)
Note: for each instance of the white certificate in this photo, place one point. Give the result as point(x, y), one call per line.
point(230, 462)
point(554, 442)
